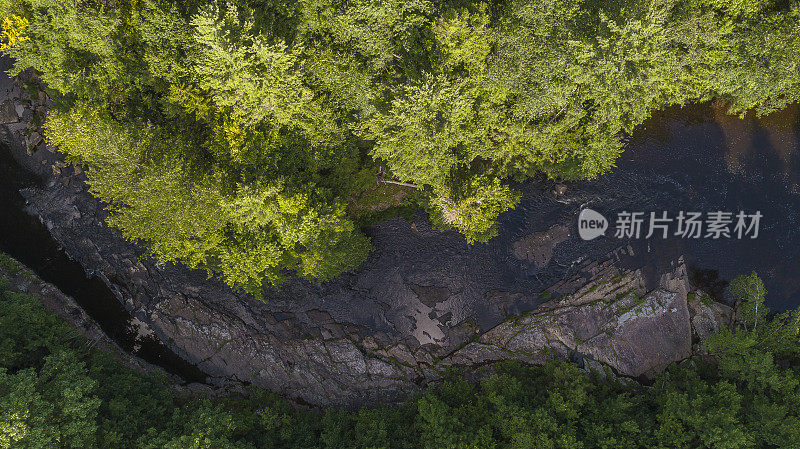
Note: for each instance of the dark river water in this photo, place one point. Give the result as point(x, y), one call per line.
point(692, 159)
point(423, 282)
point(699, 159)
point(26, 239)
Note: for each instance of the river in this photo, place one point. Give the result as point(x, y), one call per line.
point(700, 159)
point(421, 283)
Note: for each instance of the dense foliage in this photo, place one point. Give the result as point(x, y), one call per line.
point(234, 135)
point(56, 392)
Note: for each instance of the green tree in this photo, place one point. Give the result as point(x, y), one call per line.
point(749, 291)
point(475, 212)
point(248, 234)
point(52, 408)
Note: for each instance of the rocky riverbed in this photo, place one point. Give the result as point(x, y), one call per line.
point(423, 301)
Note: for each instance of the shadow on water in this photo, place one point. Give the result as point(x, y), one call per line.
point(698, 158)
point(708, 280)
point(26, 239)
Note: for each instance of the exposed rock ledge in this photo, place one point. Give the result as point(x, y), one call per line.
point(383, 333)
point(611, 320)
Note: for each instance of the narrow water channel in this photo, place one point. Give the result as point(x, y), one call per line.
point(26, 239)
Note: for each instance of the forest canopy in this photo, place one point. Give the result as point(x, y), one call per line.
point(234, 136)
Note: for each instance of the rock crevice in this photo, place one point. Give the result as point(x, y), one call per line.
point(384, 331)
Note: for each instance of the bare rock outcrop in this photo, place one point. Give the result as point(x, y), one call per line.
point(424, 301)
point(612, 320)
point(708, 317)
point(8, 113)
point(538, 247)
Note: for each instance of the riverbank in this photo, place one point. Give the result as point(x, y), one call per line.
point(22, 279)
point(59, 389)
point(424, 302)
point(24, 236)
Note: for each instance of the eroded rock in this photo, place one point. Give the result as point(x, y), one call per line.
point(612, 321)
point(8, 113)
point(538, 246)
point(708, 317)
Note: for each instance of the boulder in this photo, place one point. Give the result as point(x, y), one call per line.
point(34, 140)
point(708, 317)
point(612, 320)
point(8, 113)
point(538, 246)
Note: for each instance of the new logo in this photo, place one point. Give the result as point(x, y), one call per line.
point(591, 224)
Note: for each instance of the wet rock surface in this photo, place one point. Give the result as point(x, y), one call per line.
point(613, 320)
point(538, 247)
point(317, 349)
point(8, 113)
point(374, 335)
point(424, 299)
